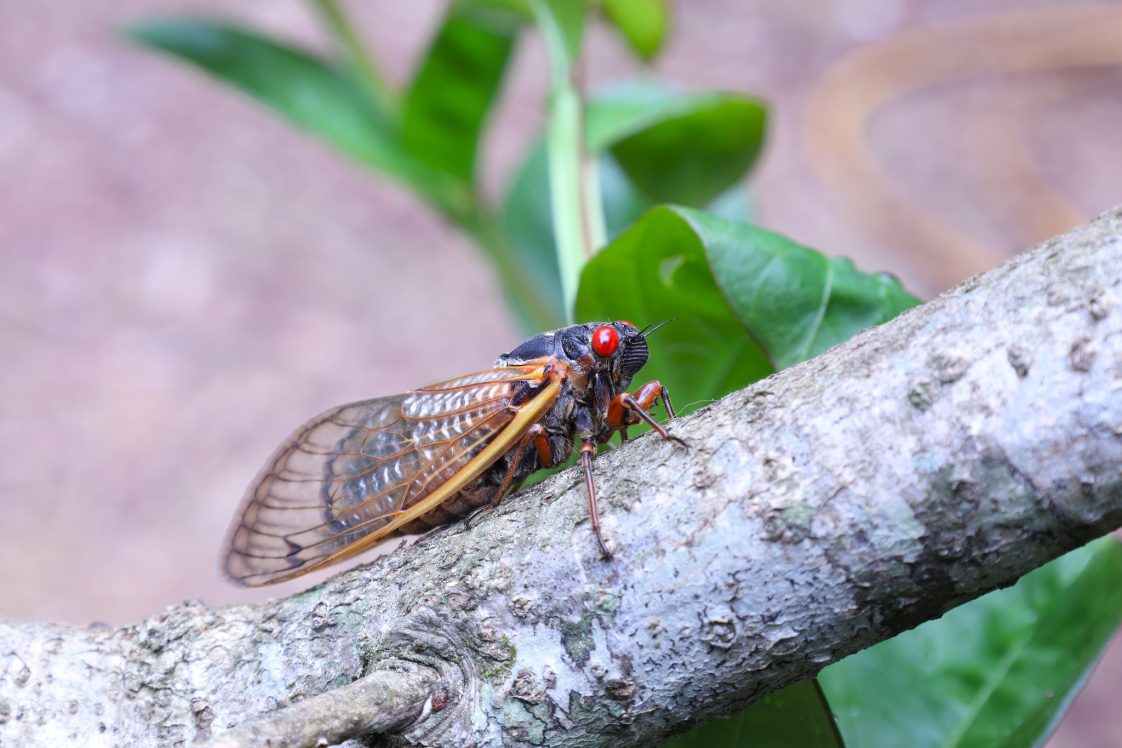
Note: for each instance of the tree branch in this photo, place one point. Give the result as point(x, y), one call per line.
point(917, 466)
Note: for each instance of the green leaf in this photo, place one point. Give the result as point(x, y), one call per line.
point(628, 109)
point(446, 105)
point(502, 11)
point(999, 671)
point(732, 289)
point(565, 18)
point(690, 160)
point(732, 286)
point(681, 148)
point(526, 210)
point(642, 23)
point(658, 270)
point(305, 89)
point(797, 715)
point(623, 204)
point(528, 220)
point(793, 300)
point(308, 91)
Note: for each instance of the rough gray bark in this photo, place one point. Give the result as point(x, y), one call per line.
point(915, 467)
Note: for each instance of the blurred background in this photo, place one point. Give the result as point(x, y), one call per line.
point(184, 278)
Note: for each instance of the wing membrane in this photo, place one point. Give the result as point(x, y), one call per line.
point(353, 475)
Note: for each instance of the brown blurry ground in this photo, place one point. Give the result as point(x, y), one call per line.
point(183, 278)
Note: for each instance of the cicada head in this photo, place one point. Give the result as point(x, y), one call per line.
point(613, 350)
point(616, 350)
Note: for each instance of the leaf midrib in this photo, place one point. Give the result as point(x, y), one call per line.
point(982, 698)
point(827, 289)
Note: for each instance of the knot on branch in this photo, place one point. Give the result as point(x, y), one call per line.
point(462, 653)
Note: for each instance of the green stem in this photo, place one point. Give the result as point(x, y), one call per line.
point(595, 226)
point(596, 232)
point(351, 46)
point(521, 290)
point(564, 187)
point(571, 225)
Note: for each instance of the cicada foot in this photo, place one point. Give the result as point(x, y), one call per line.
point(587, 450)
point(627, 410)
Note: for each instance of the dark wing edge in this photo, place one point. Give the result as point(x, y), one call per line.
point(350, 477)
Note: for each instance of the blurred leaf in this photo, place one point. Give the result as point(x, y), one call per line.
point(306, 90)
point(643, 23)
point(623, 110)
point(352, 52)
point(504, 12)
point(683, 148)
point(455, 86)
point(527, 215)
point(998, 671)
point(576, 217)
point(566, 17)
point(528, 223)
point(797, 715)
point(623, 205)
point(528, 219)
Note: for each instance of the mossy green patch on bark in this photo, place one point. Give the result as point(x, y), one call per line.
point(576, 637)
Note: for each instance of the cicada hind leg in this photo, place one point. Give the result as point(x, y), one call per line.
point(625, 410)
point(536, 438)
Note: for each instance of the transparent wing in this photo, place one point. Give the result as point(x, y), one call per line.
point(347, 477)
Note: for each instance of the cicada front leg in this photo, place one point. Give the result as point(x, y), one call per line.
point(626, 410)
point(587, 450)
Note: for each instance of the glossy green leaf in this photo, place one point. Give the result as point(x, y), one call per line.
point(658, 270)
point(680, 148)
point(642, 23)
point(796, 302)
point(793, 717)
point(308, 91)
point(732, 286)
point(998, 671)
point(732, 289)
point(446, 105)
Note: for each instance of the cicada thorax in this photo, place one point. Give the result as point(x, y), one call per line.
point(365, 472)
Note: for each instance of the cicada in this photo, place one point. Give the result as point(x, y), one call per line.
point(360, 474)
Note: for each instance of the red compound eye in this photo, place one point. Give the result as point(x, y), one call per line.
point(605, 340)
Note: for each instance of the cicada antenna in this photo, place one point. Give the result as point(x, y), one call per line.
point(651, 328)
